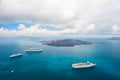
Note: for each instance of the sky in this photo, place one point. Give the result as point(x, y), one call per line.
point(59, 17)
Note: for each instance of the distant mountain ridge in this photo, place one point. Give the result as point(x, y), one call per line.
point(65, 42)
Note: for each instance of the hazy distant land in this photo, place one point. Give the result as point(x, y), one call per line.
point(65, 42)
point(114, 38)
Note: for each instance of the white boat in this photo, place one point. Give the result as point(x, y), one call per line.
point(12, 71)
point(16, 55)
point(33, 50)
point(83, 65)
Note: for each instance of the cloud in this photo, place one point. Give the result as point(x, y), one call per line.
point(80, 17)
point(116, 29)
point(44, 11)
point(21, 26)
point(37, 30)
point(22, 31)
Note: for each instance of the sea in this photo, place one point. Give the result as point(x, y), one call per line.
point(54, 63)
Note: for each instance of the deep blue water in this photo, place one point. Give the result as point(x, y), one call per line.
point(54, 63)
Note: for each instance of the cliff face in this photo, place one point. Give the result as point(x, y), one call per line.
point(65, 42)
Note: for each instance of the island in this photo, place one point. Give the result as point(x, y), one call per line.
point(114, 38)
point(65, 42)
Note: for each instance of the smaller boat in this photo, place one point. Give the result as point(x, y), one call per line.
point(16, 55)
point(83, 65)
point(12, 71)
point(33, 50)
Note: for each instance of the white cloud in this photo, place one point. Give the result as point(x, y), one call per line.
point(45, 11)
point(91, 27)
point(34, 31)
point(116, 29)
point(72, 16)
point(21, 26)
point(37, 30)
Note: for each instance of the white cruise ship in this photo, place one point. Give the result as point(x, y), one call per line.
point(83, 65)
point(16, 55)
point(33, 50)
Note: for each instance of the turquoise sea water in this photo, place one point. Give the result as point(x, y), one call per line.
point(54, 63)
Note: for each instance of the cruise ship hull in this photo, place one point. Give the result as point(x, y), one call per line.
point(81, 66)
point(16, 55)
point(33, 51)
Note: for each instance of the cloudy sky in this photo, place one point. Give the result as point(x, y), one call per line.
point(59, 17)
